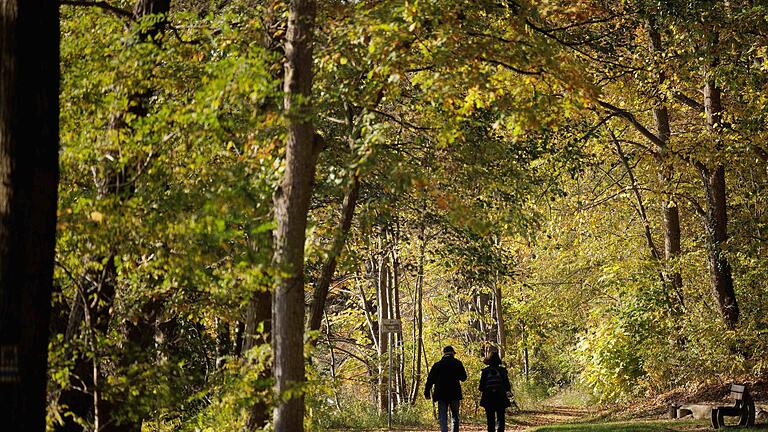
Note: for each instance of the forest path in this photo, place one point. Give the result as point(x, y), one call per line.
point(518, 421)
point(547, 415)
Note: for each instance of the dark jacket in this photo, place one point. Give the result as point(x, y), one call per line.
point(497, 399)
point(445, 376)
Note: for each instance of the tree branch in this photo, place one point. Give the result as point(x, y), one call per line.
point(401, 122)
point(690, 102)
point(631, 119)
point(509, 66)
point(122, 13)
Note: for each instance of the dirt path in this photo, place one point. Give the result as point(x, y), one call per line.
point(546, 416)
point(519, 421)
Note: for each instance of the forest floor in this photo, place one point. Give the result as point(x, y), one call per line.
point(569, 419)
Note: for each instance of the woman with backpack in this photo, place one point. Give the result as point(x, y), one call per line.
point(494, 385)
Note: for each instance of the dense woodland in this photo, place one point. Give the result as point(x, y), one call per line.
point(247, 188)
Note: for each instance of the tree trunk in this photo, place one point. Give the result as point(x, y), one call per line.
point(640, 207)
point(92, 304)
point(671, 215)
point(332, 352)
point(329, 267)
point(223, 342)
point(501, 336)
point(29, 174)
point(259, 314)
point(524, 341)
point(482, 304)
point(257, 328)
point(237, 349)
point(399, 347)
point(713, 181)
point(373, 328)
point(258, 320)
point(419, 315)
point(291, 202)
point(382, 295)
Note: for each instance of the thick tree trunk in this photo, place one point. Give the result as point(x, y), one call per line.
point(291, 202)
point(29, 174)
point(145, 8)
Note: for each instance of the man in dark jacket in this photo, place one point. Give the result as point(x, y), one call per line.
point(445, 376)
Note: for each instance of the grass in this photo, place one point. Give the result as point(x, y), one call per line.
point(636, 426)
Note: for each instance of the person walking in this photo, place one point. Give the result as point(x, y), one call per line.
point(445, 376)
point(494, 385)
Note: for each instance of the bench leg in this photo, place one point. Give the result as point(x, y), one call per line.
point(715, 424)
point(747, 418)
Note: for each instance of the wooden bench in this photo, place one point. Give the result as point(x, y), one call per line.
point(743, 407)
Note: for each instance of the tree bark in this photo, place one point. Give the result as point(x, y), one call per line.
point(329, 267)
point(259, 314)
point(398, 343)
point(713, 181)
point(29, 175)
point(382, 296)
point(291, 202)
point(223, 342)
point(671, 215)
point(237, 349)
point(332, 352)
point(258, 317)
point(501, 335)
point(482, 304)
point(419, 314)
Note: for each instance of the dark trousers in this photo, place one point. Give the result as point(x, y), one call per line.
point(442, 415)
point(495, 419)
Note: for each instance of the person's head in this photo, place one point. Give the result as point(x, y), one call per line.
point(449, 351)
point(492, 359)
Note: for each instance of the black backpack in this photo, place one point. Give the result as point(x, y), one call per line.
point(494, 382)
